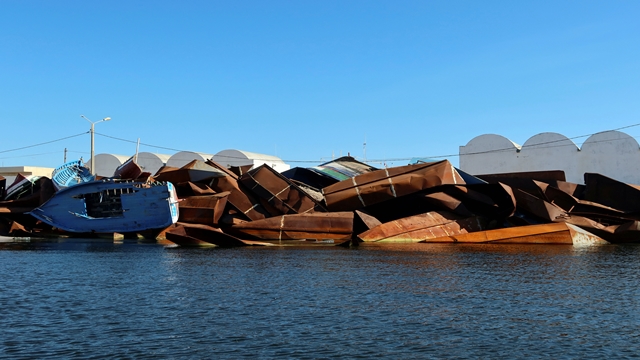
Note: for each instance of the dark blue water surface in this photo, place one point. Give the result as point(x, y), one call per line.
point(95, 299)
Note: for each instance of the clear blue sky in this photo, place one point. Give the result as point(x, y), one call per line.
point(307, 79)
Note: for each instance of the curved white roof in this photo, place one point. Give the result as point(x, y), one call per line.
point(182, 158)
point(246, 155)
point(152, 162)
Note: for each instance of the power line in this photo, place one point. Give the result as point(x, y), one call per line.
point(313, 161)
point(44, 143)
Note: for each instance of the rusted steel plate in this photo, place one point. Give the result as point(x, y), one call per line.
point(421, 227)
point(222, 168)
point(240, 170)
point(495, 201)
point(538, 207)
point(195, 171)
point(319, 226)
point(202, 235)
point(553, 233)
point(381, 185)
point(369, 221)
point(613, 193)
point(575, 206)
point(628, 232)
point(206, 209)
point(128, 170)
point(279, 192)
point(247, 206)
point(198, 189)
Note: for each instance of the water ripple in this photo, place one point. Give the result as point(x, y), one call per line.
point(87, 299)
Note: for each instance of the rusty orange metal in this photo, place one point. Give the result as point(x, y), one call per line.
point(381, 185)
point(279, 192)
point(336, 226)
point(204, 209)
point(553, 233)
point(418, 228)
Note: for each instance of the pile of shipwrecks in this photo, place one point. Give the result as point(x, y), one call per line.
point(341, 202)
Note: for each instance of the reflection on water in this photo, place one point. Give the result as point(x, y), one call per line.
point(82, 299)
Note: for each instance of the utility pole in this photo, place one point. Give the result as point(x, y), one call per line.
point(93, 161)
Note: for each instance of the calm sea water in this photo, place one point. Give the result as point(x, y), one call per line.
point(95, 299)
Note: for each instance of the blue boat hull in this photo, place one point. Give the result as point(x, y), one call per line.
point(107, 206)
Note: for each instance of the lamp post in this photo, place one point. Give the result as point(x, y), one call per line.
point(93, 168)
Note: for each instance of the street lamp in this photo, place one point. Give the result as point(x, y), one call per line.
point(93, 168)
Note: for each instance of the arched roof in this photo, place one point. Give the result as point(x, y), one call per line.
point(549, 140)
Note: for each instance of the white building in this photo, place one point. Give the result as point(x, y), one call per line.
point(231, 157)
point(182, 158)
point(610, 153)
point(152, 162)
point(10, 172)
point(106, 164)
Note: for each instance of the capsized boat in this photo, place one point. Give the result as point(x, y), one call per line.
point(71, 173)
point(109, 205)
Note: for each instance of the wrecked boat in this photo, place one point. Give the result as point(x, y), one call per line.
point(129, 170)
point(195, 235)
point(381, 185)
point(320, 228)
point(23, 185)
point(553, 233)
point(109, 205)
point(420, 227)
point(70, 174)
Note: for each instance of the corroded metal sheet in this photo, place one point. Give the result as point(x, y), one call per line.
point(319, 226)
point(540, 208)
point(129, 170)
point(381, 185)
point(279, 192)
point(195, 171)
point(553, 233)
point(421, 227)
point(191, 235)
point(205, 209)
point(606, 191)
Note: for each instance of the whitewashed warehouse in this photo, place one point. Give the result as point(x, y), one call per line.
point(610, 153)
point(231, 157)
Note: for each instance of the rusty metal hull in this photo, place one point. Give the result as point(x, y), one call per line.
point(192, 235)
point(129, 170)
point(609, 192)
point(316, 226)
point(195, 171)
point(421, 227)
point(279, 192)
point(381, 185)
point(206, 209)
point(554, 233)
